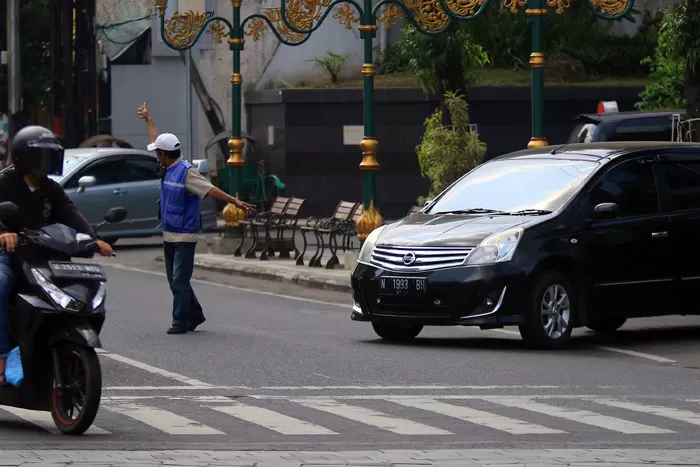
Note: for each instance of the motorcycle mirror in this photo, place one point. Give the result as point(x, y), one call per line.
point(7, 210)
point(116, 215)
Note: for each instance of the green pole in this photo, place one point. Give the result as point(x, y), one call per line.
point(371, 218)
point(536, 10)
point(232, 214)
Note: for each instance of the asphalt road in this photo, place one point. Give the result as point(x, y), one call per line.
point(281, 367)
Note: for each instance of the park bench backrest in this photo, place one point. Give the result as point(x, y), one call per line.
point(294, 207)
point(279, 206)
point(344, 210)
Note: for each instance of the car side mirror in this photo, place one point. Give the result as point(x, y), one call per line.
point(7, 210)
point(115, 215)
point(86, 181)
point(606, 210)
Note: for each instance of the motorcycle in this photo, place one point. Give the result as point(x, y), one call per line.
point(56, 312)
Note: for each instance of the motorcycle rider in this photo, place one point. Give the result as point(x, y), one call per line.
point(36, 153)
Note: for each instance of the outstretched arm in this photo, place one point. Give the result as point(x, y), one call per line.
point(144, 115)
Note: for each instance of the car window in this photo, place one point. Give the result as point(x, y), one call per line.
point(583, 133)
point(643, 129)
point(142, 168)
point(631, 186)
point(105, 172)
point(516, 184)
point(683, 179)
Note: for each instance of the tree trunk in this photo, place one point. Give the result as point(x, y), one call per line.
point(692, 98)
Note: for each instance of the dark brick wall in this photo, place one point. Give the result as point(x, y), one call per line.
point(308, 152)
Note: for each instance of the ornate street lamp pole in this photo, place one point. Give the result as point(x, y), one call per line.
point(294, 22)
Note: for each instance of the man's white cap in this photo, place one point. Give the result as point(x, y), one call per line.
point(165, 142)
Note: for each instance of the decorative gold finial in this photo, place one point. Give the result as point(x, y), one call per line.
point(233, 215)
point(369, 147)
point(162, 5)
point(536, 143)
point(370, 220)
point(235, 146)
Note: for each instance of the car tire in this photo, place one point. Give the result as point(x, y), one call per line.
point(606, 324)
point(397, 332)
point(550, 312)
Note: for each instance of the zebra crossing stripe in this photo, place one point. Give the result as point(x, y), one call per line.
point(44, 421)
point(580, 416)
point(666, 412)
point(162, 420)
point(271, 420)
point(478, 417)
point(371, 417)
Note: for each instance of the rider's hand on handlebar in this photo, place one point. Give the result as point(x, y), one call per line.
point(105, 248)
point(9, 241)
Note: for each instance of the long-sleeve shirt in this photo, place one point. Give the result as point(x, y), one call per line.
point(38, 208)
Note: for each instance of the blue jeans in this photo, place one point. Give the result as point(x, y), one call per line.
point(6, 281)
point(179, 264)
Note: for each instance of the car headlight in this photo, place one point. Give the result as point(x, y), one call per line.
point(367, 247)
point(497, 248)
point(99, 296)
point(59, 297)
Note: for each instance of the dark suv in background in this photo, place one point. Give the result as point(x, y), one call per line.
point(626, 126)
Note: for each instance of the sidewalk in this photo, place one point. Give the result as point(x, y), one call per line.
point(433, 458)
point(275, 269)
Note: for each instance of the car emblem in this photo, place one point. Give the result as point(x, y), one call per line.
point(409, 258)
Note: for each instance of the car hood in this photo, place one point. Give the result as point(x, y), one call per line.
point(447, 230)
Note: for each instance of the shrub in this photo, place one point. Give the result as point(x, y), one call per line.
point(448, 152)
point(332, 63)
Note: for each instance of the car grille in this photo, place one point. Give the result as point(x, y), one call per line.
point(426, 259)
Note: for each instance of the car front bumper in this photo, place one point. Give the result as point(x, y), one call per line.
point(485, 296)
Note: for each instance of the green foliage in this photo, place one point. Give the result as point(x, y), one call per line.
point(445, 62)
point(332, 63)
point(684, 26)
point(667, 68)
point(35, 40)
point(391, 61)
point(448, 152)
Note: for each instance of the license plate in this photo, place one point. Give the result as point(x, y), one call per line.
point(66, 270)
point(408, 286)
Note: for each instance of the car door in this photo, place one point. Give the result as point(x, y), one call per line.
point(681, 190)
point(143, 192)
point(629, 262)
point(111, 177)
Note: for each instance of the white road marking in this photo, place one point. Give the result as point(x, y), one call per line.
point(233, 287)
point(271, 420)
point(152, 369)
point(634, 353)
point(631, 353)
point(322, 388)
point(580, 416)
point(666, 412)
point(162, 420)
point(478, 417)
point(371, 417)
point(44, 421)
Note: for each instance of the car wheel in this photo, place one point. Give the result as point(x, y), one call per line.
point(606, 324)
point(550, 312)
point(397, 332)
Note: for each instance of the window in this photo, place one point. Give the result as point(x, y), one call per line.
point(105, 172)
point(683, 184)
point(631, 186)
point(142, 168)
point(644, 129)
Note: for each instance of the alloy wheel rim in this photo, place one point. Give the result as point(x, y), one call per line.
point(556, 311)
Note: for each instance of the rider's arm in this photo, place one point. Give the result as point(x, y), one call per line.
point(65, 212)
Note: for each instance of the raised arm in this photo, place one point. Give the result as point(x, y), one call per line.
point(144, 115)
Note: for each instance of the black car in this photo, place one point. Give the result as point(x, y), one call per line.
point(546, 239)
point(627, 126)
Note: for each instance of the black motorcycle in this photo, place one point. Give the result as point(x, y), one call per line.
point(57, 309)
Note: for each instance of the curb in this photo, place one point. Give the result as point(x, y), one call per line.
point(296, 278)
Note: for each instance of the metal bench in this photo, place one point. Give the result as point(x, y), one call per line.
point(281, 223)
point(326, 226)
point(260, 220)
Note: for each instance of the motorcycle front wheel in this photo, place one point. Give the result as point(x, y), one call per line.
point(74, 411)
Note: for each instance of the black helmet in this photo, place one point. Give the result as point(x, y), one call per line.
point(38, 151)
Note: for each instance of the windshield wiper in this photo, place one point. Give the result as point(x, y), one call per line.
point(471, 211)
point(530, 212)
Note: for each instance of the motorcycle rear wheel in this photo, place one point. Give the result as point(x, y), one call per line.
point(74, 412)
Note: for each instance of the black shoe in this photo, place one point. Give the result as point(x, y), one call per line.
point(191, 327)
point(177, 329)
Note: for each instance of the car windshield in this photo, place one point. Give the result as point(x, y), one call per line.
point(514, 185)
point(68, 164)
